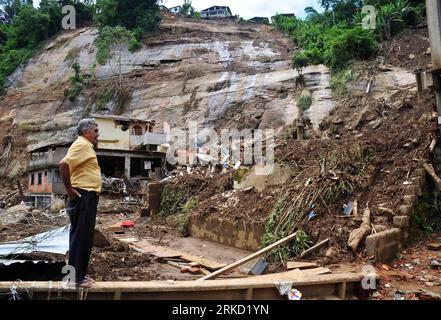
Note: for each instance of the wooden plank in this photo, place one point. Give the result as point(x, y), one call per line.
point(342, 288)
point(157, 251)
point(244, 260)
point(317, 271)
point(165, 252)
point(127, 239)
point(249, 294)
point(300, 265)
point(210, 264)
point(295, 276)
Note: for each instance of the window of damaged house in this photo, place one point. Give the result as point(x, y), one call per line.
point(32, 179)
point(137, 130)
point(40, 178)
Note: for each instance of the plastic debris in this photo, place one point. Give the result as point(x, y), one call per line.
point(259, 268)
point(283, 287)
point(294, 294)
point(347, 209)
point(312, 213)
point(128, 224)
point(237, 165)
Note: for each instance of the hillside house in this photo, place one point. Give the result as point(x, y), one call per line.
point(216, 12)
point(176, 10)
point(263, 20)
point(127, 148)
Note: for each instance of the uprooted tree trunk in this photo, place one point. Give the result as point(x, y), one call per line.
point(358, 235)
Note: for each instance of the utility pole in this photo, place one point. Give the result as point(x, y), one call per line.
point(434, 22)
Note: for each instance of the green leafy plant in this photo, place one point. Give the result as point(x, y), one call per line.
point(129, 14)
point(183, 217)
point(340, 81)
point(304, 101)
point(78, 82)
point(300, 61)
point(172, 200)
point(300, 243)
point(108, 37)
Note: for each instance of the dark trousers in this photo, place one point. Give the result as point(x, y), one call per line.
point(82, 214)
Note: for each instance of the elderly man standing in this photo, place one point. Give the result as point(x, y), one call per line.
point(81, 176)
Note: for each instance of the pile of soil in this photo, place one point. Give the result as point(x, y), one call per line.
point(409, 50)
point(411, 274)
point(118, 262)
point(395, 135)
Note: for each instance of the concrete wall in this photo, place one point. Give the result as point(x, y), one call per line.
point(46, 182)
point(383, 246)
point(238, 234)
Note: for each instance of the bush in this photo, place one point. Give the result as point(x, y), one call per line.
point(335, 36)
point(314, 55)
point(172, 200)
point(286, 24)
point(299, 61)
point(11, 59)
point(29, 28)
point(130, 14)
point(109, 36)
point(78, 82)
point(134, 44)
point(344, 45)
point(305, 100)
point(340, 80)
point(26, 27)
point(183, 217)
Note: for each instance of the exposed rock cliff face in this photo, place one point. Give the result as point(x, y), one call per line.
point(218, 73)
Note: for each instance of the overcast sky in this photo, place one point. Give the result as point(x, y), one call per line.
point(249, 8)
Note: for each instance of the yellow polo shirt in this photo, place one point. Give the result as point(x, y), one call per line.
point(85, 173)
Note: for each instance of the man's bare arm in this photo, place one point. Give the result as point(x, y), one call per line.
point(65, 175)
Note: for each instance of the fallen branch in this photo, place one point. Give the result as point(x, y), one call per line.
point(432, 145)
point(314, 248)
point(358, 235)
point(244, 260)
point(431, 171)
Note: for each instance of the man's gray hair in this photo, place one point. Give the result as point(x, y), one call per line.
point(85, 125)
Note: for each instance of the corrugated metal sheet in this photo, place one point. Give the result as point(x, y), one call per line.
point(54, 241)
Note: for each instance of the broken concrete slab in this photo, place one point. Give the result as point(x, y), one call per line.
point(383, 246)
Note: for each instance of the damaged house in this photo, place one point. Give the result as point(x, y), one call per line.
point(128, 150)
